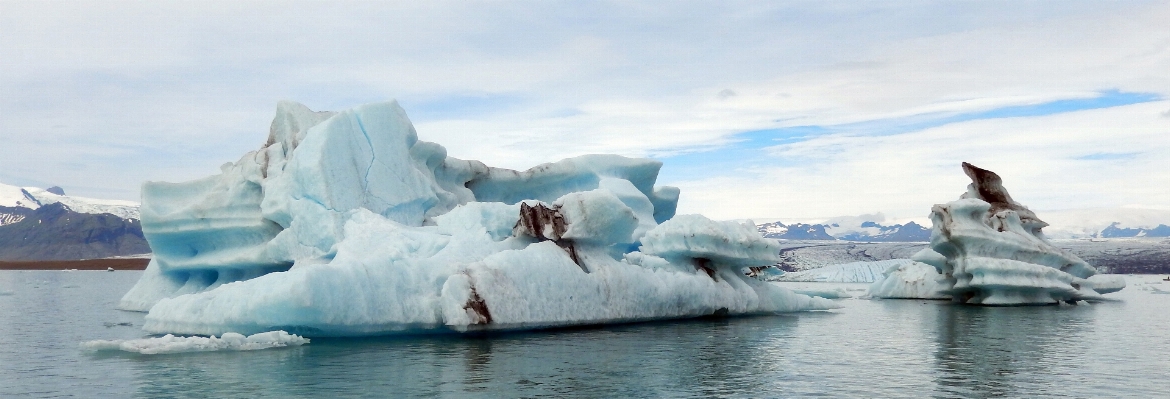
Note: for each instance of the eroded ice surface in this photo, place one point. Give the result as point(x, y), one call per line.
point(988, 249)
point(346, 224)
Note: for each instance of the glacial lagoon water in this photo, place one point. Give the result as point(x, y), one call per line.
point(870, 348)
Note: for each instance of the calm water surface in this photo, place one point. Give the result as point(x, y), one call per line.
point(889, 348)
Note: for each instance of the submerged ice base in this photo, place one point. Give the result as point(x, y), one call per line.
point(345, 224)
point(987, 249)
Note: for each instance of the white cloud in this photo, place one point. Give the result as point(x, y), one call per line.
point(168, 91)
point(903, 175)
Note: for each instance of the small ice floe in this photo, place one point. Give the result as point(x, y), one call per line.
point(109, 324)
point(168, 344)
point(109, 269)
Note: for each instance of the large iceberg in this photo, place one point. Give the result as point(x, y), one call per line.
point(988, 249)
point(346, 224)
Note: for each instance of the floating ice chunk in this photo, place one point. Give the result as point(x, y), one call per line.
point(913, 280)
point(388, 278)
point(991, 251)
point(169, 344)
point(1106, 283)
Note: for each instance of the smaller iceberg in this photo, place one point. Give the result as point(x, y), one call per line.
point(988, 249)
point(169, 344)
point(913, 278)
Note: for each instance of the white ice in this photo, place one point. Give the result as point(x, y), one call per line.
point(170, 344)
point(346, 224)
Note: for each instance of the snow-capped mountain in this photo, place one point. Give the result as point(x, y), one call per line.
point(47, 224)
point(12, 214)
point(1080, 223)
point(795, 231)
point(1107, 223)
point(865, 228)
point(909, 232)
point(1113, 231)
point(31, 198)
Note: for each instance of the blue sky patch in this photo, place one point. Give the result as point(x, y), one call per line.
point(1108, 156)
point(747, 148)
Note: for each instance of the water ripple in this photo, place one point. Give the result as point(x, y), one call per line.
point(868, 349)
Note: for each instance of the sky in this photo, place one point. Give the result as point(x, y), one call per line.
point(759, 110)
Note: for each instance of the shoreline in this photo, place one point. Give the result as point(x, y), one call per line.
point(84, 264)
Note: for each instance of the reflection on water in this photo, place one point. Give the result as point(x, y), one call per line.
point(1001, 352)
point(887, 348)
point(691, 358)
point(1102, 349)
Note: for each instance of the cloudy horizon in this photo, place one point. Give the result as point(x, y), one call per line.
point(757, 109)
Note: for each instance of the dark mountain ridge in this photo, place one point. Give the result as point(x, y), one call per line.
point(910, 232)
point(55, 232)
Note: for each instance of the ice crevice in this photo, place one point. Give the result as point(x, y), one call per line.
point(313, 235)
point(373, 154)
